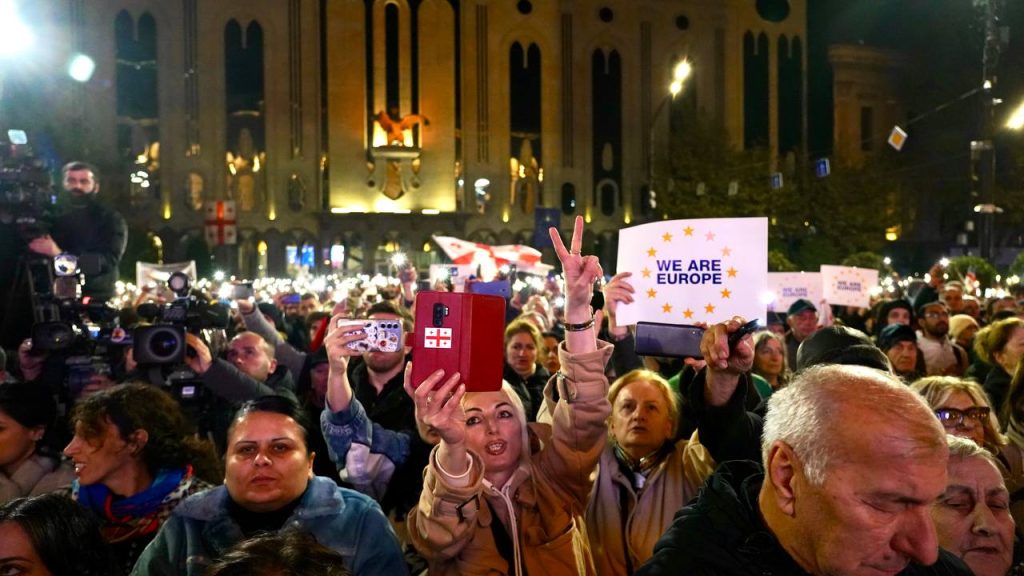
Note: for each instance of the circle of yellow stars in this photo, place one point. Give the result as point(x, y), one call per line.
point(709, 308)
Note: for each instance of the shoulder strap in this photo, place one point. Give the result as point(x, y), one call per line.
point(502, 541)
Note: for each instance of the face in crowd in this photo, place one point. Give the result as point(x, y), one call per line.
point(868, 510)
point(80, 182)
point(953, 298)
point(1012, 351)
point(803, 324)
point(903, 355)
point(935, 321)
point(898, 316)
point(494, 430)
point(769, 357)
point(267, 464)
point(551, 361)
point(972, 517)
point(105, 456)
point(641, 420)
point(252, 355)
point(383, 362)
point(521, 353)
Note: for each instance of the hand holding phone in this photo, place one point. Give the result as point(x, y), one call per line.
point(735, 337)
point(380, 335)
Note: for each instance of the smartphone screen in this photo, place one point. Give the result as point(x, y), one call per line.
point(668, 340)
point(381, 336)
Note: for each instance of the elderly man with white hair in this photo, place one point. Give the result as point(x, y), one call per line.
point(852, 461)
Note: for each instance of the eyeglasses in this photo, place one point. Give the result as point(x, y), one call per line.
point(953, 418)
point(936, 314)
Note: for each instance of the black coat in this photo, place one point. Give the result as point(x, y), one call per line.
point(721, 533)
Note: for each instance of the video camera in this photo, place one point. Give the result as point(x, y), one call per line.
point(160, 349)
point(82, 334)
point(26, 187)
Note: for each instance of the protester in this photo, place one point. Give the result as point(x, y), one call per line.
point(135, 460)
point(1001, 346)
point(489, 505)
point(941, 356)
point(962, 329)
point(854, 500)
point(522, 371)
point(550, 358)
point(51, 535)
point(802, 319)
point(28, 464)
point(899, 342)
point(770, 370)
point(644, 475)
point(249, 371)
point(268, 486)
point(962, 408)
point(972, 518)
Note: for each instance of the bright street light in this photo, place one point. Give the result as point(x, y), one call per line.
point(81, 68)
point(675, 87)
point(1016, 121)
point(15, 36)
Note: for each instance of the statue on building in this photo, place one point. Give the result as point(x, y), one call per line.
point(245, 180)
point(394, 126)
point(526, 176)
point(296, 192)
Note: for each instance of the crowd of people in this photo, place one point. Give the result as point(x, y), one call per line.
point(887, 440)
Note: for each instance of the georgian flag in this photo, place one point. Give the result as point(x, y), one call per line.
point(490, 258)
point(221, 223)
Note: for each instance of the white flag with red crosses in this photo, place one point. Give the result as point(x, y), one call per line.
point(437, 338)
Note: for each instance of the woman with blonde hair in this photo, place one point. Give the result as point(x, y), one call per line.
point(1001, 346)
point(963, 409)
point(492, 505)
point(644, 476)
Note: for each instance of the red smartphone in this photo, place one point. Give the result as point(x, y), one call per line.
point(459, 332)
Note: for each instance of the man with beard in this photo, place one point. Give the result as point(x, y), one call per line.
point(95, 233)
point(941, 356)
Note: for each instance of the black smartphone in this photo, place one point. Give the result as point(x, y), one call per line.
point(748, 328)
point(501, 288)
point(668, 340)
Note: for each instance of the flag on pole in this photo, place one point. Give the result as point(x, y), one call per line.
point(490, 258)
point(688, 271)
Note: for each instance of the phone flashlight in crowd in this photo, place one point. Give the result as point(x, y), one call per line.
point(944, 262)
point(399, 260)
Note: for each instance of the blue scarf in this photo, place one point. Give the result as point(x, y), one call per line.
point(139, 514)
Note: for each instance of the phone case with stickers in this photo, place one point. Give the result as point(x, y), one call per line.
point(381, 335)
point(459, 332)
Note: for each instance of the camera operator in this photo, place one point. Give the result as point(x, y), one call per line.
point(249, 372)
point(95, 233)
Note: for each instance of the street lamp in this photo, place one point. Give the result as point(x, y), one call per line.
point(680, 73)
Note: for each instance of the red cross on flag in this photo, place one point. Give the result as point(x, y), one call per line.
point(221, 225)
point(490, 258)
point(437, 338)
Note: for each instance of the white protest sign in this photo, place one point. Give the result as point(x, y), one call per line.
point(687, 271)
point(848, 286)
point(788, 287)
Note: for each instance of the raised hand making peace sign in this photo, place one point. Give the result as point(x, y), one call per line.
point(581, 272)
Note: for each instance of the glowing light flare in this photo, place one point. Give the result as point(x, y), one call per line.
point(1016, 120)
point(81, 68)
point(15, 35)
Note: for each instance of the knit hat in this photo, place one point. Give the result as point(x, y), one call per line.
point(894, 334)
point(959, 323)
point(840, 345)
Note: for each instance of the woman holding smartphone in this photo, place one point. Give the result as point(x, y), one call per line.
point(490, 503)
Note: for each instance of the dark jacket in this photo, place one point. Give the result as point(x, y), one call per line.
point(530, 390)
point(997, 386)
point(231, 387)
point(721, 533)
point(96, 234)
point(729, 432)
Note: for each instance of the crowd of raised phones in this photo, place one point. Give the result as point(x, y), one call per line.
point(841, 441)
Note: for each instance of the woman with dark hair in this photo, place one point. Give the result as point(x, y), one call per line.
point(136, 459)
point(287, 553)
point(50, 534)
point(27, 466)
point(897, 311)
point(269, 486)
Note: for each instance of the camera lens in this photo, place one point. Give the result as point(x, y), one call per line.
point(164, 344)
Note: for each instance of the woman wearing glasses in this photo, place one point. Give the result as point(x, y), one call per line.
point(962, 408)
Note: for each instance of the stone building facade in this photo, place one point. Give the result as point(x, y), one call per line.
point(509, 106)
